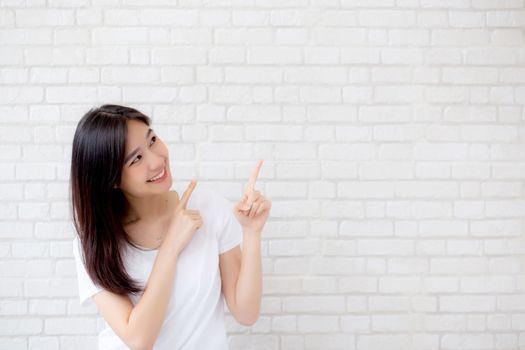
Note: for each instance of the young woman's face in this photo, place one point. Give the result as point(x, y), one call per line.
point(146, 168)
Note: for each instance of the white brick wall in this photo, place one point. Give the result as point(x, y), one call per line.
point(394, 140)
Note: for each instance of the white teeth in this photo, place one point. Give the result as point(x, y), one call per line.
point(158, 176)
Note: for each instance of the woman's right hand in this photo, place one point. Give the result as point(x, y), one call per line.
point(184, 222)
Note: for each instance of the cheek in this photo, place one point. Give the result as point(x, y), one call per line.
point(131, 175)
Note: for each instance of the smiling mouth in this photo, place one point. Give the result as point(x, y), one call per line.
point(160, 176)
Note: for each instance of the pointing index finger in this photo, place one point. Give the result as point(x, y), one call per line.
point(253, 177)
point(186, 196)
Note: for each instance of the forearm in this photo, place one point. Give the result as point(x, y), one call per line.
point(147, 317)
point(249, 284)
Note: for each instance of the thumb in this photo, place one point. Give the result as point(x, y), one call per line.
point(242, 204)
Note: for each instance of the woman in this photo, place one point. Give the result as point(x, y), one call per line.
point(158, 266)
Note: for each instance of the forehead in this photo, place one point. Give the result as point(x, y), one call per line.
point(136, 133)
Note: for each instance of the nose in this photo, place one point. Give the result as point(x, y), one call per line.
point(156, 162)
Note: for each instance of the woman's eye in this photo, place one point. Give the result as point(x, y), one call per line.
point(136, 159)
point(153, 140)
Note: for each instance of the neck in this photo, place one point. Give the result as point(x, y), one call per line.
point(147, 209)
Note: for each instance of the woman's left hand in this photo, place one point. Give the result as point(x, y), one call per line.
point(253, 209)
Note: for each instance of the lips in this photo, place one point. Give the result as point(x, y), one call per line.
point(159, 177)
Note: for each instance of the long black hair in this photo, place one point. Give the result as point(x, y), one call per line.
point(98, 204)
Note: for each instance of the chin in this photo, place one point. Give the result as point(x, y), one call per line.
point(164, 187)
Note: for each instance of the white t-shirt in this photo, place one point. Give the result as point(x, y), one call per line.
point(195, 313)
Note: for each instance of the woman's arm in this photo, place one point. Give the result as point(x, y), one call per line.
point(138, 326)
point(241, 272)
point(241, 275)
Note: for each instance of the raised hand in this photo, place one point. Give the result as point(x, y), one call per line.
point(184, 223)
point(253, 208)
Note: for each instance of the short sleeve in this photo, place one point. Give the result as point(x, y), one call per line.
point(229, 234)
point(86, 287)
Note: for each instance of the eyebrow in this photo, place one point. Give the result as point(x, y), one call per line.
point(129, 156)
